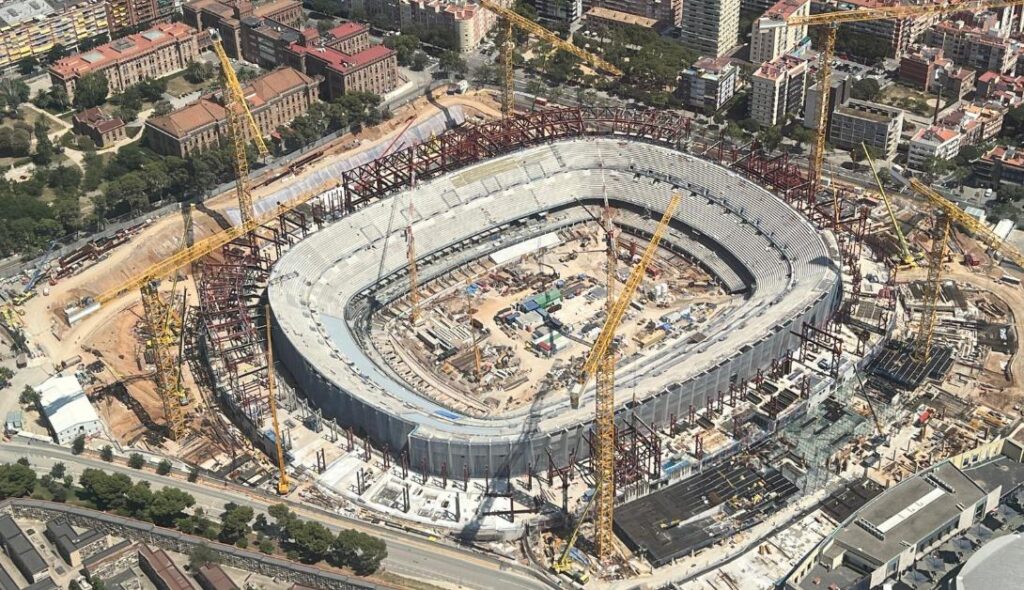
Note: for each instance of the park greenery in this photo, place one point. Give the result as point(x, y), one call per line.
point(303, 540)
point(351, 111)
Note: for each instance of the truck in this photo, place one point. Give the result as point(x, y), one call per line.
point(460, 87)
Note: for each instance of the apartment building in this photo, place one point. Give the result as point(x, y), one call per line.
point(464, 23)
point(125, 14)
point(159, 51)
point(979, 48)
point(859, 121)
point(663, 12)
point(977, 124)
point(1005, 90)
point(33, 27)
point(711, 27)
point(1001, 165)
point(226, 17)
point(839, 93)
point(614, 19)
point(770, 38)
point(559, 14)
point(274, 98)
point(932, 142)
point(708, 84)
point(777, 89)
point(897, 34)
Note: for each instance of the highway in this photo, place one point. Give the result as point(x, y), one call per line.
point(408, 555)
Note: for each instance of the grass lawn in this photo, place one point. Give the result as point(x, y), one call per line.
point(177, 85)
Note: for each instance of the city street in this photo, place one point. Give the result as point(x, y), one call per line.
point(408, 555)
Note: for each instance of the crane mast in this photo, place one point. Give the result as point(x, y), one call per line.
point(908, 258)
point(926, 330)
point(832, 20)
point(159, 317)
point(601, 364)
point(410, 253)
point(282, 480)
point(513, 19)
point(239, 119)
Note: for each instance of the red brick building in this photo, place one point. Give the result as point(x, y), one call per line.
point(103, 129)
point(274, 99)
point(164, 49)
point(227, 16)
point(342, 57)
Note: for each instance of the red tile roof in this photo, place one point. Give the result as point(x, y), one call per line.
point(124, 49)
point(341, 61)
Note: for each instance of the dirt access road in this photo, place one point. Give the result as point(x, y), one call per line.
point(46, 326)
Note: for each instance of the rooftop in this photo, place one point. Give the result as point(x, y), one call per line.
point(458, 10)
point(19, 11)
point(622, 17)
point(908, 512)
point(868, 110)
point(123, 49)
point(208, 111)
point(775, 69)
point(64, 402)
point(98, 119)
point(998, 565)
point(786, 8)
point(935, 134)
point(341, 61)
point(1006, 155)
point(712, 64)
point(165, 568)
point(346, 30)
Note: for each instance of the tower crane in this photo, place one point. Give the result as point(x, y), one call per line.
point(513, 19)
point(282, 480)
point(949, 213)
point(600, 363)
point(239, 119)
point(908, 258)
point(832, 20)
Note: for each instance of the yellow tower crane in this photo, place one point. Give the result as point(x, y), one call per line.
point(282, 480)
point(949, 213)
point(410, 253)
point(239, 118)
point(832, 20)
point(908, 258)
point(601, 364)
point(159, 315)
point(512, 19)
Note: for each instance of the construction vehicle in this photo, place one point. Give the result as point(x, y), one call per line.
point(600, 364)
point(282, 479)
point(513, 19)
point(908, 258)
point(563, 565)
point(42, 265)
point(832, 20)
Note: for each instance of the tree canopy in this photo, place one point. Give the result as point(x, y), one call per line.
point(16, 480)
point(91, 91)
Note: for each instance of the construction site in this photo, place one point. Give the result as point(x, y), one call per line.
point(608, 342)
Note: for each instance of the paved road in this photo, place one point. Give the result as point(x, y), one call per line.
point(408, 555)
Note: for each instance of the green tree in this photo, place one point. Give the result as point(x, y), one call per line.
point(136, 461)
point(107, 453)
point(266, 546)
point(103, 490)
point(770, 138)
point(12, 94)
point(29, 397)
point(234, 523)
point(91, 91)
point(28, 65)
point(163, 467)
point(57, 52)
point(193, 474)
point(359, 551)
point(202, 555)
point(16, 480)
point(78, 445)
point(162, 107)
point(44, 147)
point(168, 505)
point(197, 72)
point(405, 46)
point(312, 540)
point(58, 470)
point(138, 500)
point(453, 64)
point(419, 61)
point(865, 89)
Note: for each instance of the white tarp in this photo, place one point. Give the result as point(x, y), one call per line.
point(525, 247)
